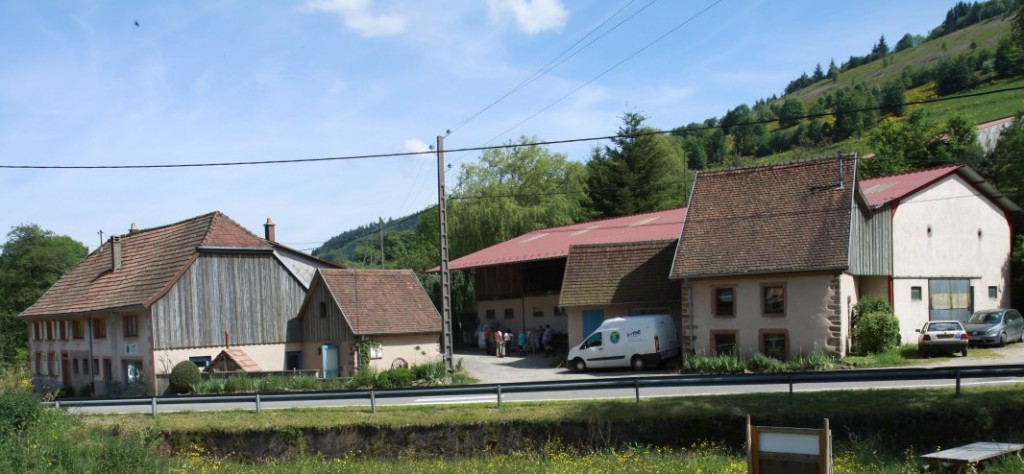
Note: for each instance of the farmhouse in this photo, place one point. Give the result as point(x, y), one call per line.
point(119, 320)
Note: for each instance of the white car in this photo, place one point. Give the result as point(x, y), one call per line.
point(942, 337)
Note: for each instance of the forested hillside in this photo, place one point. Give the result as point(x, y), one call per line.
point(909, 106)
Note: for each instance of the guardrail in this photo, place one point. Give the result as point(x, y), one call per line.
point(636, 383)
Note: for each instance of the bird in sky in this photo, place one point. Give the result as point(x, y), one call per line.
point(136, 23)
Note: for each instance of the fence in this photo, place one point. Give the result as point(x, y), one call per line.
point(636, 383)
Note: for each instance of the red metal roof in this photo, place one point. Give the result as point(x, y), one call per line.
point(884, 189)
point(554, 242)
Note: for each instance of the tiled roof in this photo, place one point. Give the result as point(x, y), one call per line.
point(554, 242)
point(631, 272)
point(768, 219)
point(884, 189)
point(151, 260)
point(239, 361)
point(382, 301)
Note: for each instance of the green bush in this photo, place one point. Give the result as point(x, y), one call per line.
point(395, 378)
point(763, 364)
point(719, 364)
point(272, 383)
point(366, 377)
point(870, 304)
point(430, 372)
point(303, 383)
point(817, 360)
point(876, 332)
point(184, 376)
point(210, 387)
point(19, 405)
point(238, 383)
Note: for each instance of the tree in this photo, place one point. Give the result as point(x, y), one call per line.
point(855, 111)
point(818, 74)
point(31, 261)
point(1003, 167)
point(905, 43)
point(1009, 60)
point(642, 172)
point(955, 75)
point(880, 49)
point(833, 72)
point(791, 112)
point(898, 145)
point(956, 142)
point(892, 97)
point(512, 191)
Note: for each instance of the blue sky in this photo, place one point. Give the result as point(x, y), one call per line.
point(222, 81)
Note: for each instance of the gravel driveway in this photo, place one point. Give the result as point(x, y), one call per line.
point(537, 368)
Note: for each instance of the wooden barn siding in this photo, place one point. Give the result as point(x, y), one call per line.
point(251, 297)
point(871, 245)
point(331, 328)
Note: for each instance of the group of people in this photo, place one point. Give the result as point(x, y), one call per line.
point(500, 342)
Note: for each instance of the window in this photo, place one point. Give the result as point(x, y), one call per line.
point(775, 344)
point(559, 311)
point(131, 326)
point(993, 292)
point(200, 361)
point(510, 313)
point(773, 300)
point(915, 293)
point(723, 342)
point(593, 341)
point(35, 331)
point(77, 329)
point(85, 366)
point(51, 363)
point(489, 314)
point(74, 366)
point(99, 328)
point(725, 302)
point(61, 331)
point(95, 366)
point(538, 311)
point(322, 309)
point(39, 363)
point(293, 360)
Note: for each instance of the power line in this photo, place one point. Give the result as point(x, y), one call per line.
point(556, 61)
point(496, 147)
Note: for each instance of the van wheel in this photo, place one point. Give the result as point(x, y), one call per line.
point(578, 365)
point(638, 363)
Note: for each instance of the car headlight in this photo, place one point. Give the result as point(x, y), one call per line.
point(992, 332)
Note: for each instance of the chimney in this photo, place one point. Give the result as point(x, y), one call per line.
point(115, 252)
point(268, 231)
point(133, 229)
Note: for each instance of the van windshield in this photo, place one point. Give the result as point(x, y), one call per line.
point(593, 341)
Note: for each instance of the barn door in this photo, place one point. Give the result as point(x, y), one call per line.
point(949, 298)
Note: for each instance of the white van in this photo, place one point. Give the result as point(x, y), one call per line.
point(634, 341)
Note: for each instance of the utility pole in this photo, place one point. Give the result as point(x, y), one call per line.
point(442, 218)
point(381, 227)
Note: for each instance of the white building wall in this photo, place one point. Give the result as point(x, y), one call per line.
point(948, 230)
point(523, 313)
point(806, 320)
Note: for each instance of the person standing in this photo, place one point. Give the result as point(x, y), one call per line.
point(499, 343)
point(546, 340)
point(489, 340)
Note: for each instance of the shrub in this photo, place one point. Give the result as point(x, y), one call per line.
point(184, 376)
point(719, 364)
point(395, 378)
point(303, 382)
point(764, 364)
point(272, 383)
point(365, 377)
point(817, 360)
point(876, 332)
point(19, 405)
point(430, 372)
point(238, 383)
point(210, 387)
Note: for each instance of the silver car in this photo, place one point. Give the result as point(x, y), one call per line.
point(995, 326)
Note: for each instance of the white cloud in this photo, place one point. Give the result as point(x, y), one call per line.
point(414, 145)
point(532, 16)
point(359, 17)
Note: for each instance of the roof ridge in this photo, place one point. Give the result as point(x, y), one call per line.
point(183, 221)
point(605, 219)
point(780, 165)
point(953, 166)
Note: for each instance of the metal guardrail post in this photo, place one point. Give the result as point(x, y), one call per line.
point(957, 372)
point(790, 387)
point(499, 396)
point(636, 386)
point(56, 404)
point(373, 402)
point(257, 403)
point(152, 407)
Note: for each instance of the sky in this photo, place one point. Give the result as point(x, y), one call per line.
point(113, 83)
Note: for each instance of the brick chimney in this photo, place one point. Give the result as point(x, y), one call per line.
point(268, 231)
point(115, 252)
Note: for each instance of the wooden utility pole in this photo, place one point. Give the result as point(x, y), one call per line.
point(442, 218)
